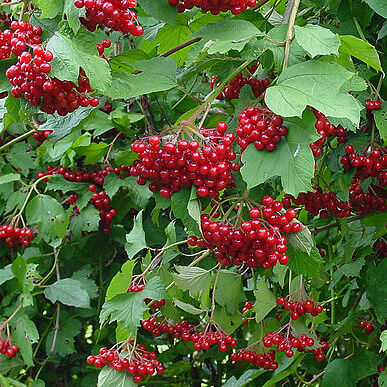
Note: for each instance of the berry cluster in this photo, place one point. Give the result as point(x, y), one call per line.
point(373, 105)
point(325, 129)
point(374, 199)
point(248, 305)
point(264, 360)
point(41, 136)
point(370, 164)
point(381, 246)
point(233, 89)
point(367, 326)
point(235, 6)
point(299, 308)
point(15, 236)
point(5, 20)
point(171, 165)
point(319, 203)
point(112, 14)
point(101, 202)
point(136, 361)
point(261, 127)
point(290, 342)
point(6, 348)
point(156, 328)
point(29, 77)
point(140, 287)
point(256, 242)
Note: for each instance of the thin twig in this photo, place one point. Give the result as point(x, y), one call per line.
point(289, 33)
point(180, 47)
point(316, 230)
point(17, 139)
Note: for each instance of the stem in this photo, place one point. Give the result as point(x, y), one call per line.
point(359, 30)
point(213, 304)
point(180, 47)
point(12, 315)
point(11, 3)
point(216, 92)
point(330, 256)
point(289, 34)
point(111, 147)
point(17, 139)
point(316, 230)
point(56, 255)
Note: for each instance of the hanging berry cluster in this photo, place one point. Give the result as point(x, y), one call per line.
point(290, 341)
point(256, 242)
point(29, 77)
point(367, 326)
point(112, 14)
point(214, 6)
point(262, 360)
point(6, 348)
point(170, 162)
point(325, 129)
point(259, 126)
point(233, 89)
point(41, 136)
point(319, 203)
point(299, 308)
point(15, 236)
point(135, 360)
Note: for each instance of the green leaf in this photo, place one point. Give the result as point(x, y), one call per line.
point(173, 252)
point(302, 240)
point(302, 263)
point(69, 292)
point(264, 301)
point(87, 283)
point(73, 14)
point(382, 380)
point(383, 339)
point(316, 84)
point(351, 269)
point(377, 289)
point(121, 281)
point(159, 10)
point(316, 40)
point(25, 334)
point(360, 49)
point(247, 377)
point(70, 55)
point(93, 152)
point(9, 177)
point(293, 160)
point(48, 214)
point(339, 370)
point(87, 220)
point(129, 308)
point(110, 377)
point(364, 363)
point(62, 126)
point(381, 121)
point(180, 201)
point(229, 291)
point(64, 345)
point(188, 307)
point(20, 158)
point(140, 194)
point(228, 30)
point(136, 238)
point(379, 6)
point(383, 31)
point(156, 74)
point(50, 9)
point(194, 279)
point(6, 274)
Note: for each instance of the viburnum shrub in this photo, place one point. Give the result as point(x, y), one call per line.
point(193, 192)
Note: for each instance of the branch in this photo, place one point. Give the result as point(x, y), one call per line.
point(288, 11)
point(289, 34)
point(17, 139)
point(180, 47)
point(316, 230)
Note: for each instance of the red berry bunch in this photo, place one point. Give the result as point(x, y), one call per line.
point(15, 236)
point(41, 136)
point(368, 163)
point(325, 129)
point(373, 105)
point(214, 6)
point(233, 89)
point(6, 348)
point(260, 126)
point(367, 326)
point(170, 165)
point(113, 14)
point(299, 308)
point(264, 360)
point(136, 361)
point(101, 202)
point(255, 242)
point(374, 199)
point(106, 43)
point(319, 203)
point(135, 288)
point(5, 20)
point(289, 342)
point(156, 328)
point(381, 246)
